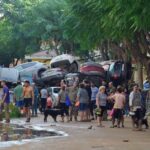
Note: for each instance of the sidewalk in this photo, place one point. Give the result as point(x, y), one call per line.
point(81, 138)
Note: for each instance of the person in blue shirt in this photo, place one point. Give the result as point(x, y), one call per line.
point(6, 100)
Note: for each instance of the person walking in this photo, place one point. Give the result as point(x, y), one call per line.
point(94, 90)
point(44, 95)
point(5, 100)
point(135, 104)
point(35, 104)
point(62, 102)
point(101, 100)
point(83, 99)
point(18, 96)
point(28, 95)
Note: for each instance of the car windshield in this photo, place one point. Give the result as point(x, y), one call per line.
point(56, 90)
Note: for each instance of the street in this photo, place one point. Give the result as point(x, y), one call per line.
point(82, 137)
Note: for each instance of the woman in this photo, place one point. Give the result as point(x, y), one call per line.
point(119, 102)
point(62, 101)
point(101, 100)
point(83, 98)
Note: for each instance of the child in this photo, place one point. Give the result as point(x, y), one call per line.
point(49, 102)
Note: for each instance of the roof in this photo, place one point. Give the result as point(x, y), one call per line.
point(44, 54)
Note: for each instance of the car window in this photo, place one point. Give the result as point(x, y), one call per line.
point(56, 90)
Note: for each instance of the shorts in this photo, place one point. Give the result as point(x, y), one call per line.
point(20, 103)
point(65, 109)
point(138, 114)
point(118, 114)
point(83, 107)
point(103, 109)
point(27, 102)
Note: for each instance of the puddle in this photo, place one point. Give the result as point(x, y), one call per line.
point(20, 134)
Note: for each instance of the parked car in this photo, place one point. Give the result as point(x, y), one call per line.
point(26, 70)
point(54, 93)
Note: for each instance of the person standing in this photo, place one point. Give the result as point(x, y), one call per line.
point(28, 95)
point(62, 102)
point(18, 96)
point(135, 104)
point(72, 93)
point(35, 104)
point(101, 100)
point(83, 98)
point(94, 90)
point(6, 100)
point(44, 95)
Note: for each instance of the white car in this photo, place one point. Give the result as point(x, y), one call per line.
point(53, 91)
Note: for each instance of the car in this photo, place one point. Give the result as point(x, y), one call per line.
point(26, 70)
point(117, 71)
point(53, 91)
point(91, 71)
point(9, 75)
point(65, 62)
point(59, 67)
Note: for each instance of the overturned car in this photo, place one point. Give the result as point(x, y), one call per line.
point(59, 67)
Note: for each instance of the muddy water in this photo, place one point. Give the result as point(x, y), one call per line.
point(13, 132)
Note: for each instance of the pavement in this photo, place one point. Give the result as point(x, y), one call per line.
point(87, 136)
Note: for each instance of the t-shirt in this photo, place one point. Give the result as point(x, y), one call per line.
point(83, 96)
point(62, 94)
point(102, 97)
point(6, 91)
point(119, 100)
point(43, 93)
point(18, 93)
point(94, 93)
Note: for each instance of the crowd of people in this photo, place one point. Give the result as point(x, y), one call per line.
point(81, 102)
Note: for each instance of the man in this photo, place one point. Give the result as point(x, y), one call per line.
point(6, 100)
point(35, 104)
point(44, 95)
point(28, 95)
point(111, 88)
point(18, 95)
point(136, 106)
point(72, 93)
point(94, 90)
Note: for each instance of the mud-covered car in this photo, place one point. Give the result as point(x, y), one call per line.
point(59, 67)
point(91, 71)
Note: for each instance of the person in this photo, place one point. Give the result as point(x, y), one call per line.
point(72, 93)
point(135, 104)
point(119, 102)
point(111, 88)
point(49, 102)
point(83, 98)
point(62, 102)
point(5, 100)
point(28, 95)
point(94, 90)
point(35, 105)
point(87, 86)
point(44, 95)
point(18, 96)
point(101, 99)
